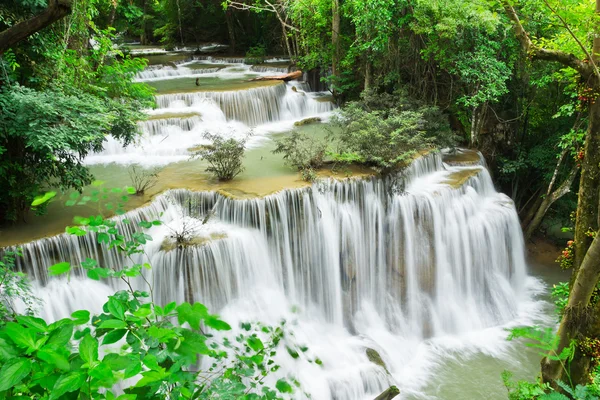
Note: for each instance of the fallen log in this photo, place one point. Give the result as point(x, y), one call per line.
point(389, 393)
point(285, 77)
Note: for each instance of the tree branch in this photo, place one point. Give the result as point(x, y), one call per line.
point(272, 8)
point(540, 53)
point(56, 10)
point(564, 23)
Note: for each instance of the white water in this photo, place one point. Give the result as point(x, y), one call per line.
point(253, 113)
point(416, 275)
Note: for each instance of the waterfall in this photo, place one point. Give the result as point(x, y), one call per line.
point(253, 106)
point(158, 126)
point(269, 69)
point(370, 263)
point(170, 72)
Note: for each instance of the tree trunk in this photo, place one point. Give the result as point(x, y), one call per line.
point(144, 35)
point(368, 72)
point(335, 42)
point(179, 18)
point(113, 13)
point(587, 206)
point(56, 10)
point(577, 321)
point(230, 30)
point(550, 198)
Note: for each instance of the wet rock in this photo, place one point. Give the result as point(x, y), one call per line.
point(307, 121)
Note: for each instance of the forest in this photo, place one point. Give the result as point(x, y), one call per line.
point(290, 199)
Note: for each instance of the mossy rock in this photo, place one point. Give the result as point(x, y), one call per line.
point(169, 244)
point(307, 121)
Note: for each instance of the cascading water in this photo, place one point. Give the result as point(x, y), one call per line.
point(392, 265)
point(181, 119)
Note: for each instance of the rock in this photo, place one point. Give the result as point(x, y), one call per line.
point(307, 121)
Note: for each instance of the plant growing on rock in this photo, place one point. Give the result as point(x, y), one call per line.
point(302, 152)
point(143, 179)
point(224, 156)
point(387, 131)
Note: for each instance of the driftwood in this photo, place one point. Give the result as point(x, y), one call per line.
point(285, 77)
point(389, 393)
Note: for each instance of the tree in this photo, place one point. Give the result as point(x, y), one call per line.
point(44, 136)
point(224, 156)
point(579, 313)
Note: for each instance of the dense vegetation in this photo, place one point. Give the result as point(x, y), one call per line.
point(519, 80)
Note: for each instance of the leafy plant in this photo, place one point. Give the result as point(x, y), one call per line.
point(14, 286)
point(387, 131)
point(156, 357)
point(224, 156)
point(302, 152)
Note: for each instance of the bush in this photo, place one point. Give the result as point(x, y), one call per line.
point(224, 156)
point(387, 131)
point(143, 179)
point(302, 152)
point(256, 54)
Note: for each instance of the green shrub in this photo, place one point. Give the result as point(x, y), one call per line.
point(256, 54)
point(387, 131)
point(302, 152)
point(224, 156)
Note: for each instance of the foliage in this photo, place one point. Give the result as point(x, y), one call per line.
point(224, 156)
point(302, 152)
point(44, 136)
point(256, 54)
point(560, 294)
point(135, 343)
point(143, 179)
point(14, 287)
point(388, 131)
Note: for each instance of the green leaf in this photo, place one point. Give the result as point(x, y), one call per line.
point(42, 199)
point(61, 336)
point(214, 322)
point(81, 317)
point(21, 336)
point(52, 357)
point(113, 324)
point(59, 269)
point(114, 336)
point(103, 238)
point(67, 383)
point(191, 314)
point(130, 190)
point(283, 386)
point(88, 349)
point(255, 343)
point(7, 351)
point(134, 368)
point(33, 322)
point(116, 308)
point(13, 372)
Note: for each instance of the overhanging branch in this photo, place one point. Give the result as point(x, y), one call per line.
point(56, 10)
point(540, 53)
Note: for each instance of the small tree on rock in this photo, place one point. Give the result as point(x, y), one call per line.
point(143, 179)
point(224, 156)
